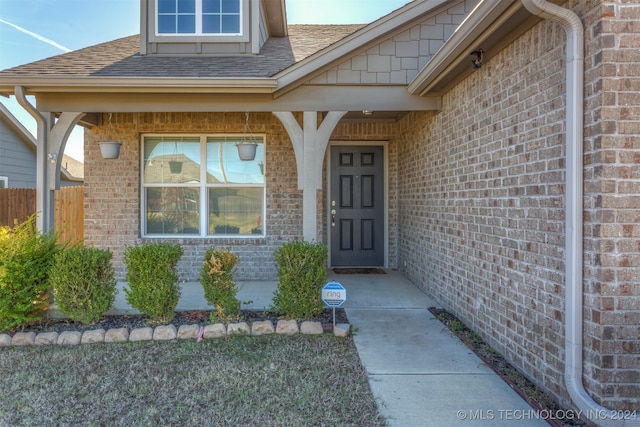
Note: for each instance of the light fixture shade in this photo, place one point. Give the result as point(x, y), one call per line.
point(110, 149)
point(247, 150)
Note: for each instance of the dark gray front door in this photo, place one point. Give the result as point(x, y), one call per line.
point(356, 217)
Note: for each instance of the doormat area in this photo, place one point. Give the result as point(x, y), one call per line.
point(359, 271)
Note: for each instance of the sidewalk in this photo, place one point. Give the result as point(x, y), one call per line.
point(420, 374)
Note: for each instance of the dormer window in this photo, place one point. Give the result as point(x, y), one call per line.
point(198, 17)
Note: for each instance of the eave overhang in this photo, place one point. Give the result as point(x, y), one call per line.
point(36, 85)
point(490, 27)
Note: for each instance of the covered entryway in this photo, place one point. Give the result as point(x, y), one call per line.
point(356, 206)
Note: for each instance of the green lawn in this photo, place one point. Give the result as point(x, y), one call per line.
point(270, 380)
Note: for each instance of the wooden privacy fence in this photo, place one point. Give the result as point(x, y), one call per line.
point(18, 204)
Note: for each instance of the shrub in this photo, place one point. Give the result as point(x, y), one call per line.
point(83, 283)
point(216, 277)
point(152, 278)
point(301, 274)
point(26, 257)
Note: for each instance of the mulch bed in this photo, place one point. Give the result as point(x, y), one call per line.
point(200, 317)
point(530, 392)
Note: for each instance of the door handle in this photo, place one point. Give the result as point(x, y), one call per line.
point(333, 217)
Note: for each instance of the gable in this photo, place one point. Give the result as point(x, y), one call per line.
point(398, 58)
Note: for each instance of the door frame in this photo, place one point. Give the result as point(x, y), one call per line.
point(385, 171)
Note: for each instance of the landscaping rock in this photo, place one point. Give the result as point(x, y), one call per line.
point(217, 330)
point(311, 328)
point(341, 330)
point(141, 334)
point(262, 327)
point(89, 337)
point(117, 335)
point(188, 332)
point(240, 328)
point(69, 338)
point(5, 340)
point(23, 338)
point(287, 327)
point(165, 333)
point(46, 338)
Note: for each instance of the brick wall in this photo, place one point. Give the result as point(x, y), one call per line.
point(612, 202)
point(481, 203)
point(112, 199)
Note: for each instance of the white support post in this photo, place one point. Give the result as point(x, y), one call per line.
point(309, 145)
point(51, 140)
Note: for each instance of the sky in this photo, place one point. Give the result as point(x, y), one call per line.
point(31, 30)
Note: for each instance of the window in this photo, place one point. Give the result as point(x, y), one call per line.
point(4, 182)
point(198, 186)
point(195, 17)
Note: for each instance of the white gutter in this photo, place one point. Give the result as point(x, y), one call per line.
point(574, 220)
point(140, 84)
point(43, 220)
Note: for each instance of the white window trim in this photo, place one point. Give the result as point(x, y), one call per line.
point(5, 181)
point(198, 31)
point(203, 186)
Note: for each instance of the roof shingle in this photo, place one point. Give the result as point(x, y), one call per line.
point(121, 58)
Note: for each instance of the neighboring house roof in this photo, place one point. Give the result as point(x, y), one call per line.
point(71, 169)
point(121, 58)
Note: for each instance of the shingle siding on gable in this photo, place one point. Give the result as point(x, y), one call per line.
point(398, 59)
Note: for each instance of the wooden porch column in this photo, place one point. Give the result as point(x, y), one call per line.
point(309, 145)
point(51, 140)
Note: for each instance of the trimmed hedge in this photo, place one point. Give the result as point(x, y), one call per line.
point(302, 272)
point(153, 280)
point(83, 283)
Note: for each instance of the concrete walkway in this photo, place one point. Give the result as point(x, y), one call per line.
point(420, 374)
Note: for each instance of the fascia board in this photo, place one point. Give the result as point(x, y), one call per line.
point(137, 85)
point(356, 41)
point(485, 18)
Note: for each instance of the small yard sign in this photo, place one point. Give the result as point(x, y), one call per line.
point(334, 294)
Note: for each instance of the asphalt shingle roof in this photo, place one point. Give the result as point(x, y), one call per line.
point(121, 58)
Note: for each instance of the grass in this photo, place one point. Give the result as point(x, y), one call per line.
point(270, 380)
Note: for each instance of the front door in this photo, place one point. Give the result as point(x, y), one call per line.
point(356, 206)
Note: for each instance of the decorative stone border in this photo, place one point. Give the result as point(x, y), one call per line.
point(169, 332)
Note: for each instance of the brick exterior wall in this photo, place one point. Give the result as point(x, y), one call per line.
point(612, 201)
point(481, 203)
point(112, 196)
point(112, 188)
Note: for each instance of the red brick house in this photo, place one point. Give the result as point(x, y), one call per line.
point(486, 149)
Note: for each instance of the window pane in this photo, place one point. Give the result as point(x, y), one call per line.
point(211, 24)
point(230, 24)
point(172, 160)
point(166, 6)
point(224, 165)
point(187, 6)
point(166, 24)
point(211, 6)
point(186, 24)
point(235, 210)
point(173, 210)
point(230, 6)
